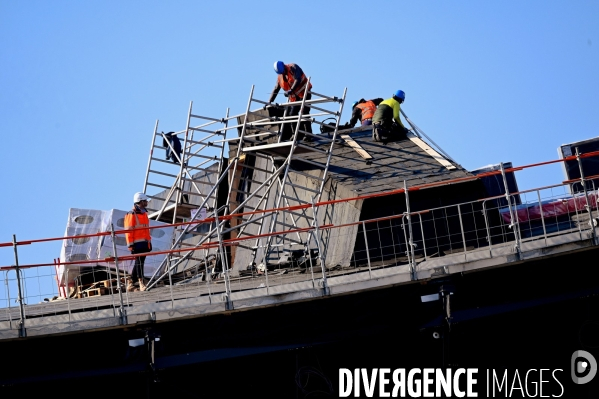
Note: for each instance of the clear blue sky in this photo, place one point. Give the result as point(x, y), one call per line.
point(83, 82)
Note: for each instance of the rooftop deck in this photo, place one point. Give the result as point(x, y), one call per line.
point(288, 284)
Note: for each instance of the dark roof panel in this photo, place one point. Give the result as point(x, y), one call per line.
point(391, 164)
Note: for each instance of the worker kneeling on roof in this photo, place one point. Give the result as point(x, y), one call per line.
point(385, 120)
point(364, 111)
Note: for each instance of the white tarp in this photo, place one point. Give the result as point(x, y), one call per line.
point(80, 222)
point(90, 221)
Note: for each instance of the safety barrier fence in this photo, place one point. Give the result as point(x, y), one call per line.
point(415, 243)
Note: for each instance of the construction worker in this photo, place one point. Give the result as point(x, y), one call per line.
point(386, 120)
point(174, 148)
point(364, 111)
point(139, 240)
point(293, 81)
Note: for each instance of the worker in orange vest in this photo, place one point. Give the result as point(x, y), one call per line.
point(364, 111)
point(139, 240)
point(293, 81)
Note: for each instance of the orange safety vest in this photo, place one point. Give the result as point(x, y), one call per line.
point(287, 83)
point(135, 220)
point(368, 108)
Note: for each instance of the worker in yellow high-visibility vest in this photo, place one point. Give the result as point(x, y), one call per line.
point(386, 122)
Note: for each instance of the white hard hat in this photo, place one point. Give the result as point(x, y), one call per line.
point(261, 268)
point(140, 197)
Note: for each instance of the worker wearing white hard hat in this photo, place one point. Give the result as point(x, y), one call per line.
point(139, 240)
point(137, 197)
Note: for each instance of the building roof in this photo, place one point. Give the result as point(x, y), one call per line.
point(391, 163)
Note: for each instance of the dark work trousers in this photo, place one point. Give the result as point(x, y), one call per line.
point(305, 126)
point(138, 267)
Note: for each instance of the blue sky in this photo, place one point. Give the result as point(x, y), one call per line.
point(83, 83)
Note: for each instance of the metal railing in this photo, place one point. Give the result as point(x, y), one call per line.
point(413, 243)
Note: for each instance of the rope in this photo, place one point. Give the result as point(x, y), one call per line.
point(418, 130)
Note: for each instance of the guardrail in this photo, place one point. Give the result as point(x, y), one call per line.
point(412, 242)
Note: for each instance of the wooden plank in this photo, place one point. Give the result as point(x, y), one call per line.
point(438, 157)
point(95, 292)
point(92, 292)
point(281, 149)
point(357, 147)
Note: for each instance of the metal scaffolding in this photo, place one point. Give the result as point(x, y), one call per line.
point(184, 184)
point(278, 162)
point(275, 161)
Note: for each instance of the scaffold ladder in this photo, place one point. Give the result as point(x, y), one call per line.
point(186, 181)
point(186, 186)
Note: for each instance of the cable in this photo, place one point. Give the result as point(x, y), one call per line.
point(307, 371)
point(302, 379)
point(418, 130)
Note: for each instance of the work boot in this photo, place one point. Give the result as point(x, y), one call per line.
point(375, 134)
point(130, 286)
point(142, 286)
